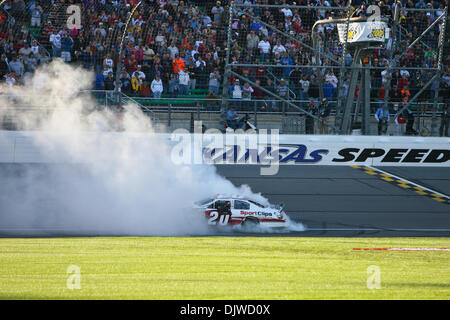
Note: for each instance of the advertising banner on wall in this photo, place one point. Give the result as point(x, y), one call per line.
point(261, 149)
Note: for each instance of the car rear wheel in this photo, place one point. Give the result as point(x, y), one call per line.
point(249, 223)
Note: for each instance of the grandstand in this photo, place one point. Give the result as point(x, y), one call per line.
point(198, 49)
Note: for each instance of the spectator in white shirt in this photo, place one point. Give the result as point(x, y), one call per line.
point(287, 12)
point(404, 73)
point(26, 50)
point(278, 48)
point(10, 79)
point(55, 40)
point(236, 93)
point(160, 38)
point(264, 31)
point(384, 76)
point(264, 47)
point(108, 65)
point(332, 78)
point(157, 87)
point(35, 49)
point(184, 79)
point(304, 87)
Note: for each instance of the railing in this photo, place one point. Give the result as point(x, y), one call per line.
point(263, 105)
point(212, 109)
point(126, 99)
point(276, 80)
point(152, 106)
point(291, 121)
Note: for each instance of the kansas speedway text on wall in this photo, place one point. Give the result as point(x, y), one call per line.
point(185, 148)
point(313, 150)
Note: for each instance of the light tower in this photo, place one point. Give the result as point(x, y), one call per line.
point(361, 35)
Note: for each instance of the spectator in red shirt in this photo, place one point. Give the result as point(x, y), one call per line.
point(402, 82)
point(381, 92)
point(258, 95)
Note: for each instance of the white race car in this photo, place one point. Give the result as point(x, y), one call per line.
point(244, 212)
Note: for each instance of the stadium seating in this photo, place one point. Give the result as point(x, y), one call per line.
point(37, 31)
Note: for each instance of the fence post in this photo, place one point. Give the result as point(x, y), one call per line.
point(198, 111)
point(119, 65)
point(339, 106)
point(169, 115)
point(434, 131)
point(255, 102)
point(227, 58)
point(387, 85)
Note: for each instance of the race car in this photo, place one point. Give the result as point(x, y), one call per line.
point(223, 210)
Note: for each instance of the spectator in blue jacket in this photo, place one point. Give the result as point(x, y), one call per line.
point(99, 81)
point(256, 25)
point(66, 48)
point(286, 60)
point(233, 118)
point(328, 90)
point(382, 117)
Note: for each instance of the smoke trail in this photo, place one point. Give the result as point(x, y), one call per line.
point(107, 182)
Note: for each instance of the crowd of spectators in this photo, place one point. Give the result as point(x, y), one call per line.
point(173, 48)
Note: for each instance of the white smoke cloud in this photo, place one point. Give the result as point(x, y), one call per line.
point(108, 182)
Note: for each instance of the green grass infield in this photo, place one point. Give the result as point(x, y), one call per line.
point(223, 268)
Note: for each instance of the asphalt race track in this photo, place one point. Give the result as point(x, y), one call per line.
point(334, 200)
point(344, 201)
